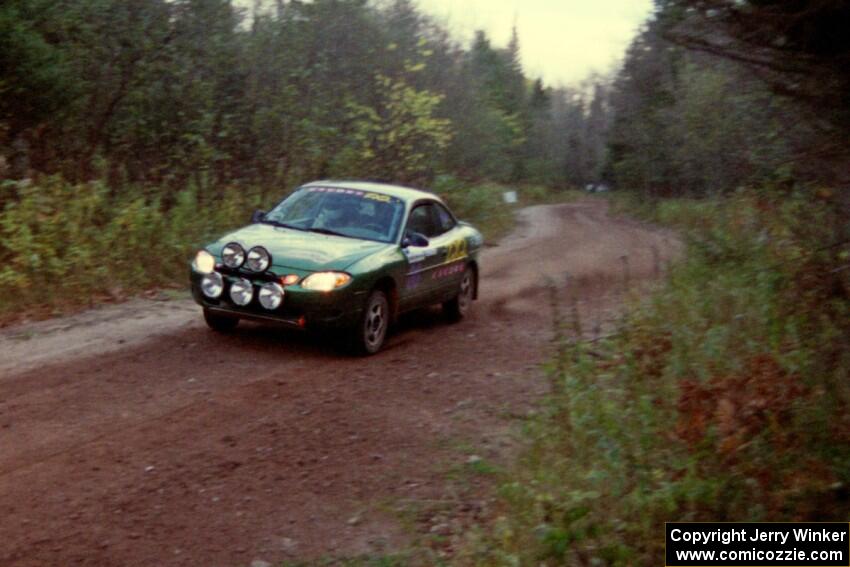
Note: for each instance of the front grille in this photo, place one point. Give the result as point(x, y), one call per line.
point(267, 276)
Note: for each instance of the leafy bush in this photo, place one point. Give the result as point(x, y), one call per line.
point(724, 398)
point(64, 245)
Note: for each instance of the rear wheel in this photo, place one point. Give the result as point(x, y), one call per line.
point(458, 307)
point(220, 323)
point(369, 335)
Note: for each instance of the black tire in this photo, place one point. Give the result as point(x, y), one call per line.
point(220, 323)
point(458, 307)
point(369, 335)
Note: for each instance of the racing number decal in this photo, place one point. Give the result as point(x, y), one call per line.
point(457, 250)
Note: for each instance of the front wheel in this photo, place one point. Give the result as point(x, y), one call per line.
point(458, 307)
point(220, 323)
point(368, 337)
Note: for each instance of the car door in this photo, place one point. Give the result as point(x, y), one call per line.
point(420, 285)
point(452, 251)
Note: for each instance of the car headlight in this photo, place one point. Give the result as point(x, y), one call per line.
point(232, 255)
point(258, 259)
point(241, 292)
point(325, 281)
point(212, 285)
point(271, 295)
point(204, 262)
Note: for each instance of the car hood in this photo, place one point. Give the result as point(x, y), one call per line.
point(300, 250)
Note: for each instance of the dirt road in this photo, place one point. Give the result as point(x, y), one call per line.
point(130, 439)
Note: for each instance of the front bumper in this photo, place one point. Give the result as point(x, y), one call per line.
point(301, 308)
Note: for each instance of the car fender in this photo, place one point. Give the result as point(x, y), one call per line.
point(388, 264)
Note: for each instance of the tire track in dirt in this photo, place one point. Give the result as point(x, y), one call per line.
point(178, 446)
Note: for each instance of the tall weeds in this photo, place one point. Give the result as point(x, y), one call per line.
point(64, 244)
point(725, 397)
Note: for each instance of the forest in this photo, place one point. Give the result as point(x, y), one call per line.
point(155, 93)
point(160, 95)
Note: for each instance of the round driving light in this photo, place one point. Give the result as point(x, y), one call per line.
point(232, 255)
point(258, 259)
point(204, 262)
point(241, 292)
point(212, 285)
point(271, 295)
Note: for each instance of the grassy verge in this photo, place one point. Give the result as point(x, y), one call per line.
point(724, 398)
point(66, 246)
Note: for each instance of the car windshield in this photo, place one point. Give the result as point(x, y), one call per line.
point(342, 212)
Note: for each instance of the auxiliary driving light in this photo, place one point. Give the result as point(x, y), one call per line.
point(241, 292)
point(212, 285)
point(258, 259)
point(271, 295)
point(232, 255)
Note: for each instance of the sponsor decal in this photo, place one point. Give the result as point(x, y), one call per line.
point(447, 271)
point(338, 190)
point(378, 197)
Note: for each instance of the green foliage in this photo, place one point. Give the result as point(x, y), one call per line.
point(161, 94)
point(688, 125)
point(724, 397)
point(35, 78)
point(397, 140)
point(808, 65)
point(63, 245)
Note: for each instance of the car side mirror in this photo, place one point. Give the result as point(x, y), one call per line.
point(258, 216)
point(414, 239)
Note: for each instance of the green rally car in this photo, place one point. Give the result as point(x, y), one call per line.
point(343, 255)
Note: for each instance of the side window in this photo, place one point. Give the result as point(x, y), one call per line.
point(420, 221)
point(430, 220)
point(445, 222)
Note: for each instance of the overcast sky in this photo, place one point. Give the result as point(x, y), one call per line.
point(561, 40)
point(564, 41)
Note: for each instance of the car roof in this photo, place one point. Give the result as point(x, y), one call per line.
point(407, 194)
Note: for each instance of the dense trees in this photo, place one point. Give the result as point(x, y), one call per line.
point(164, 93)
point(800, 48)
point(716, 94)
point(159, 93)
